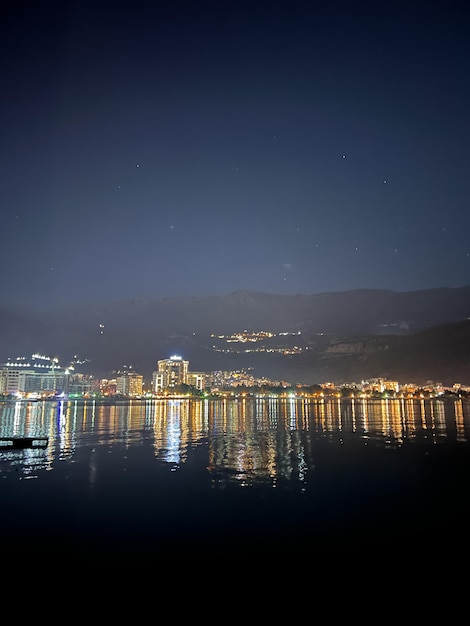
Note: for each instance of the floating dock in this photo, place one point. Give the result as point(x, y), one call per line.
point(18, 443)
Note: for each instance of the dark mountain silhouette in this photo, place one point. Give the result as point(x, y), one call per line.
point(440, 354)
point(344, 336)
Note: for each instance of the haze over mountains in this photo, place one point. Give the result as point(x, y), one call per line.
point(344, 336)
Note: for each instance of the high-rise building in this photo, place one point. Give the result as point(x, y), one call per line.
point(171, 373)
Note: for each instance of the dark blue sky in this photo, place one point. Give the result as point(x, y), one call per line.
point(204, 148)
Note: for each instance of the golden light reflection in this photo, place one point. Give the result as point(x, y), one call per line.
point(461, 434)
point(248, 439)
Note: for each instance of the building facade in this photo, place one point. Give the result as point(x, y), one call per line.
point(197, 380)
point(33, 375)
point(130, 384)
point(170, 373)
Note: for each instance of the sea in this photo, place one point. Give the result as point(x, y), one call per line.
point(236, 478)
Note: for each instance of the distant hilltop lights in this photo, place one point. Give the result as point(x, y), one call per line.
point(285, 342)
point(247, 336)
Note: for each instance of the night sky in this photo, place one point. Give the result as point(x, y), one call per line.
point(202, 148)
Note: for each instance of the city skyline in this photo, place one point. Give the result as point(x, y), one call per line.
point(22, 380)
point(199, 149)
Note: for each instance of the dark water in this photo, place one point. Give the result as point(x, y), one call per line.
point(145, 479)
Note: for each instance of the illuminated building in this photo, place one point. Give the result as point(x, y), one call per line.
point(197, 380)
point(129, 384)
point(171, 373)
point(82, 385)
point(35, 374)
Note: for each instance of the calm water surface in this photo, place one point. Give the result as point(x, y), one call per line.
point(140, 479)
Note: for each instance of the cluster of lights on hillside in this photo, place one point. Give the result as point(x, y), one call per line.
point(246, 336)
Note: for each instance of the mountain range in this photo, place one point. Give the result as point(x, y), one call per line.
point(412, 336)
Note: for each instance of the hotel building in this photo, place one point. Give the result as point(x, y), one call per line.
point(173, 372)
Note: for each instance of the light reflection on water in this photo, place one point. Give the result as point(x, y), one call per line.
point(235, 472)
point(247, 439)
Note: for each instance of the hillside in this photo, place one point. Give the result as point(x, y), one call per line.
point(440, 354)
point(349, 335)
